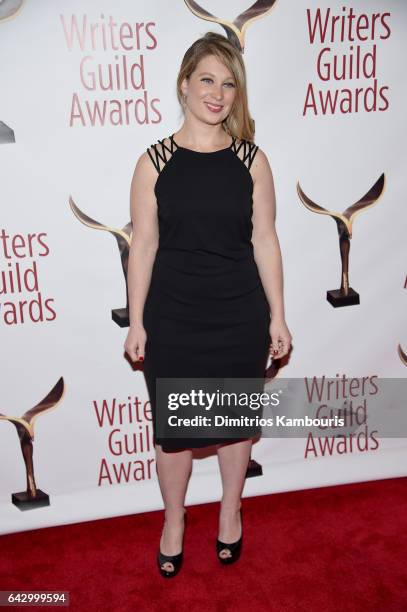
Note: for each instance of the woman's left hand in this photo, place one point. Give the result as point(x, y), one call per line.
point(280, 338)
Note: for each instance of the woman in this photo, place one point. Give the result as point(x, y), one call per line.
point(205, 273)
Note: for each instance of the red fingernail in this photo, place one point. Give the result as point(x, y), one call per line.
point(141, 358)
point(275, 351)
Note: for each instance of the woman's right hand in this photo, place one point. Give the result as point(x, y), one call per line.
point(135, 342)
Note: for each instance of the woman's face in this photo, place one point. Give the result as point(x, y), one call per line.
point(210, 90)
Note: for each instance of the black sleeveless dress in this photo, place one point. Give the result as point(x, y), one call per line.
point(206, 312)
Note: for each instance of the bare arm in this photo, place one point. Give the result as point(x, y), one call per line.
point(144, 241)
point(266, 249)
point(265, 241)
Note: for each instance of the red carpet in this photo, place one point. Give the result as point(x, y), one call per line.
point(337, 548)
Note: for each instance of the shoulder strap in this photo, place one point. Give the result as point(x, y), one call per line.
point(246, 151)
point(160, 153)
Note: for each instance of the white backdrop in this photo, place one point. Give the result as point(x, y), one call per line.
point(336, 157)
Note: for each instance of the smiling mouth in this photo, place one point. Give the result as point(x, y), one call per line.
point(214, 107)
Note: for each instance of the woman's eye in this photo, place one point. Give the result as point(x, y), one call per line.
point(229, 84)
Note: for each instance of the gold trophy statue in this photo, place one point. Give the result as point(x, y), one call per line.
point(10, 8)
point(33, 497)
point(6, 134)
point(345, 296)
point(123, 238)
point(402, 354)
point(235, 30)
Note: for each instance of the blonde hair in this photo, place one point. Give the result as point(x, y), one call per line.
point(239, 123)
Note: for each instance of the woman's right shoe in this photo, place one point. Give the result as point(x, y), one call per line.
point(235, 548)
point(175, 560)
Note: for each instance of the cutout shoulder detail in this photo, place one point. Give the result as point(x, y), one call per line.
point(160, 152)
point(246, 151)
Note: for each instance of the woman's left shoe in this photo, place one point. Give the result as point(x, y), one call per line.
point(235, 548)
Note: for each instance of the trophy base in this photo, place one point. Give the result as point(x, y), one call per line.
point(254, 469)
point(121, 317)
point(337, 298)
point(24, 502)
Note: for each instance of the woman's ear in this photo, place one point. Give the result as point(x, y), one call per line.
point(184, 87)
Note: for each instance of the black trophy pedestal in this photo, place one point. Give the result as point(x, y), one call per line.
point(121, 317)
point(24, 502)
point(337, 298)
point(254, 469)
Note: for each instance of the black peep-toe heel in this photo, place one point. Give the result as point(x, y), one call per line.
point(235, 548)
point(176, 560)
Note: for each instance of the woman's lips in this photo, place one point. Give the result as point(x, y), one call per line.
point(213, 107)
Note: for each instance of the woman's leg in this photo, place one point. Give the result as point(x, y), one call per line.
point(173, 470)
point(233, 461)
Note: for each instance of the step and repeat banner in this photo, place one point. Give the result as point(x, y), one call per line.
point(86, 87)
